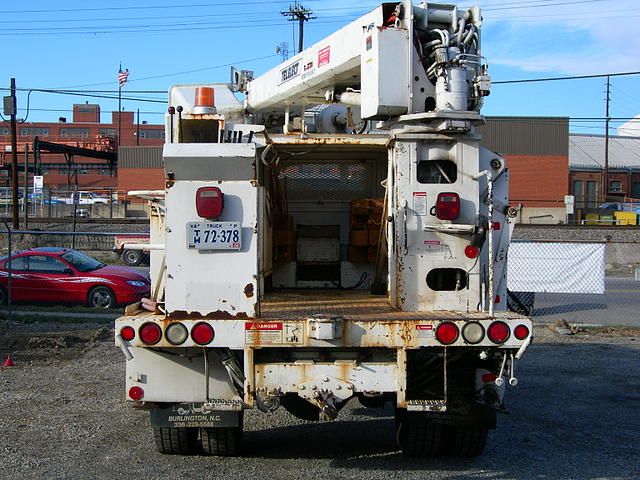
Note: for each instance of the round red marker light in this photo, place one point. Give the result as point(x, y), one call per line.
point(128, 333)
point(521, 332)
point(136, 393)
point(150, 333)
point(471, 252)
point(202, 333)
point(447, 333)
point(498, 332)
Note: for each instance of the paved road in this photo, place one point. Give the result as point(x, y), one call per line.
point(619, 305)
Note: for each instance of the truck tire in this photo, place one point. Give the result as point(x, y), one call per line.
point(175, 441)
point(464, 440)
point(417, 435)
point(221, 441)
point(132, 258)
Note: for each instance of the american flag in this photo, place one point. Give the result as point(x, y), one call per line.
point(122, 77)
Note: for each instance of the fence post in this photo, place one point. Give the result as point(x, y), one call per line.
point(9, 270)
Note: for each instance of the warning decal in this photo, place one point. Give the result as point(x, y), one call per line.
point(424, 331)
point(419, 203)
point(324, 56)
point(273, 333)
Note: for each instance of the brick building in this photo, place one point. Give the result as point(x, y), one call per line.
point(84, 131)
point(586, 163)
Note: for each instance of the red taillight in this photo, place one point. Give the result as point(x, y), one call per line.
point(447, 333)
point(127, 333)
point(448, 206)
point(489, 377)
point(209, 202)
point(202, 333)
point(496, 225)
point(470, 252)
point(521, 332)
point(150, 333)
point(498, 332)
point(497, 299)
point(136, 393)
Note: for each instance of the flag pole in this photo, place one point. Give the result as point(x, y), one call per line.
point(119, 109)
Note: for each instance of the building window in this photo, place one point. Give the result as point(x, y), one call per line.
point(107, 131)
point(4, 131)
point(615, 186)
point(578, 193)
point(592, 194)
point(152, 133)
point(74, 132)
point(34, 131)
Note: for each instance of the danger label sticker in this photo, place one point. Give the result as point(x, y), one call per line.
point(270, 333)
point(324, 56)
point(419, 203)
point(424, 331)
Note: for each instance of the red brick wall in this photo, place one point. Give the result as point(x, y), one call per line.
point(538, 180)
point(140, 179)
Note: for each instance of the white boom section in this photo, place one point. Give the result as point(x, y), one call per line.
point(304, 79)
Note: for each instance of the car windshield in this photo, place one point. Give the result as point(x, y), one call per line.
point(81, 262)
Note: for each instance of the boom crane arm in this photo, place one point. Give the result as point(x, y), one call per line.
point(397, 59)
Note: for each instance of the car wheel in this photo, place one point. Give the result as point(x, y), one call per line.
point(133, 258)
point(101, 297)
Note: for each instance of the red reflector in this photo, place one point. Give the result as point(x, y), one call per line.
point(498, 332)
point(150, 333)
point(209, 202)
point(136, 393)
point(447, 333)
point(521, 332)
point(127, 333)
point(497, 300)
point(496, 225)
point(448, 206)
point(489, 377)
point(202, 333)
point(470, 252)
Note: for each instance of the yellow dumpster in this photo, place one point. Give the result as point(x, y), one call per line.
point(591, 219)
point(626, 218)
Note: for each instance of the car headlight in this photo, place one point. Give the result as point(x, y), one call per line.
point(136, 283)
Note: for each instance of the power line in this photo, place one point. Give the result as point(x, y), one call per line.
point(145, 7)
point(574, 77)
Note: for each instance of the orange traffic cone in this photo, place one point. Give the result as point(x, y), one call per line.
point(8, 362)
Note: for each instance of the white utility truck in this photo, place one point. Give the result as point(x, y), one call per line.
point(338, 234)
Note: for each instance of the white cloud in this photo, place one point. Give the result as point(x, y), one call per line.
point(585, 38)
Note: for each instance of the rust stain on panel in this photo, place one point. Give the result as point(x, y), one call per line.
point(248, 290)
point(218, 315)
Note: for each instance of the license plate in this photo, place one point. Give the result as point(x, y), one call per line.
point(214, 235)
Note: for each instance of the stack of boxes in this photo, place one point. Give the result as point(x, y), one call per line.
point(285, 239)
point(365, 224)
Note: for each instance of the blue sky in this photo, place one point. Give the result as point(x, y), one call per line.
point(80, 44)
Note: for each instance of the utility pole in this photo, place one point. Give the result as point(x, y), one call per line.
point(14, 156)
point(301, 14)
point(606, 143)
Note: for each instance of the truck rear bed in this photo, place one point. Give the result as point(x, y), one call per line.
point(353, 305)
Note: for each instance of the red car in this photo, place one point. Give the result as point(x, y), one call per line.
point(51, 274)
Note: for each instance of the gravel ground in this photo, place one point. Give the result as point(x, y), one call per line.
point(575, 415)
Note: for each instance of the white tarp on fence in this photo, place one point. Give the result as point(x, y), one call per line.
point(556, 267)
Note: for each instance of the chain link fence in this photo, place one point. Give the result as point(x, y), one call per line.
point(577, 282)
point(72, 276)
